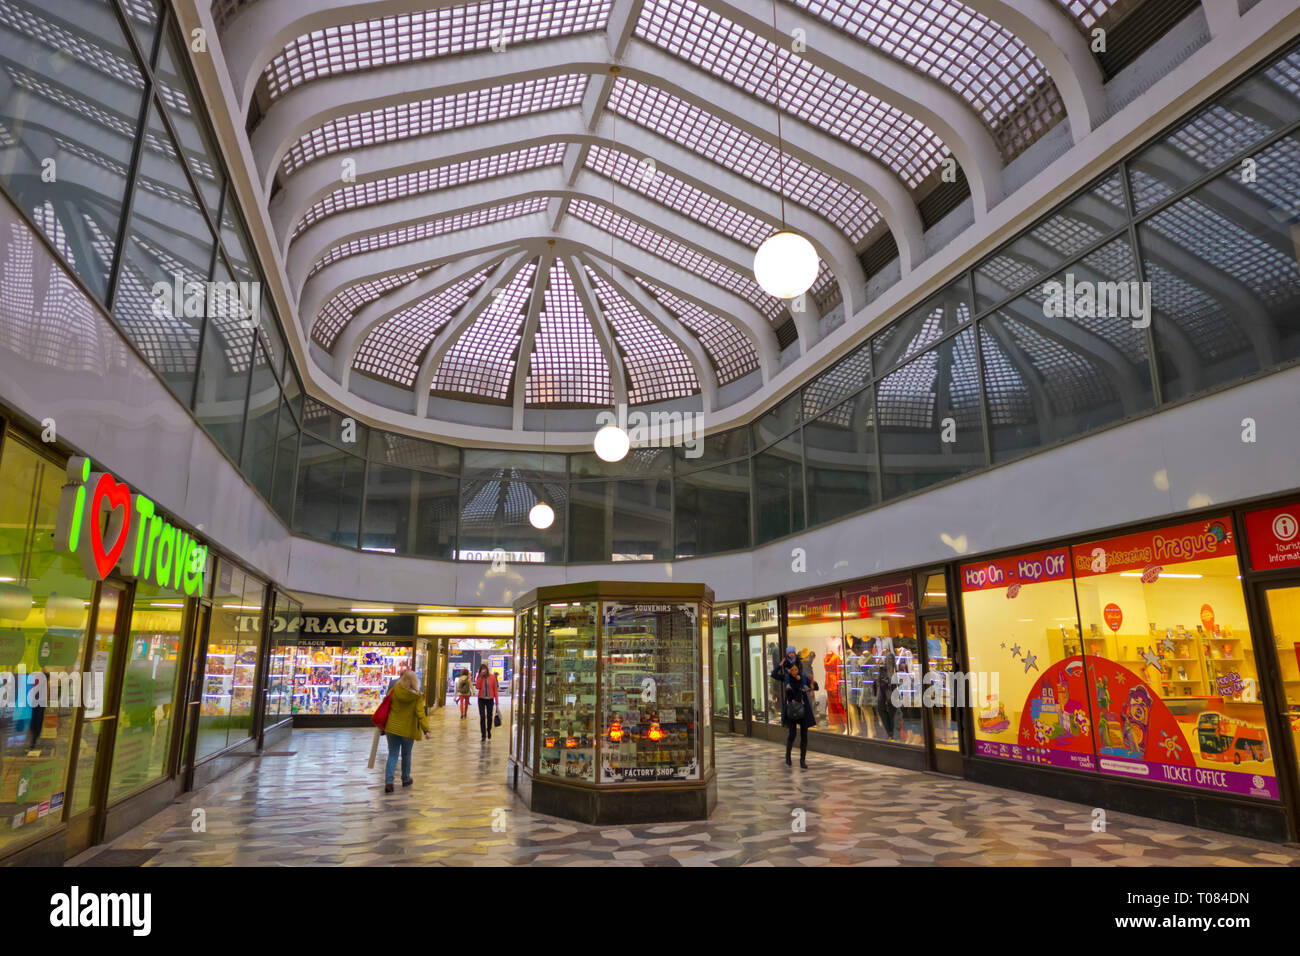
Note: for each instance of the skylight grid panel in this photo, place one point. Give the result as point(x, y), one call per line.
point(168, 343)
point(1286, 73)
point(657, 368)
point(732, 352)
point(678, 254)
point(985, 64)
point(567, 365)
point(427, 34)
point(428, 180)
point(745, 155)
point(94, 54)
point(393, 349)
point(1087, 12)
point(906, 398)
point(1070, 379)
point(346, 303)
point(723, 48)
point(420, 118)
point(481, 362)
point(680, 196)
point(429, 229)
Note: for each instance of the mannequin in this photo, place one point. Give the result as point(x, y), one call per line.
point(853, 674)
point(834, 692)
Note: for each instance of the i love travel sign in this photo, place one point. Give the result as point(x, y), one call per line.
point(106, 525)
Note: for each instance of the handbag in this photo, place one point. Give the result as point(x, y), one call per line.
point(380, 717)
point(796, 711)
point(496, 716)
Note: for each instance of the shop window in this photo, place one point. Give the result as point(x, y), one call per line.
point(234, 644)
point(568, 718)
point(148, 709)
point(44, 607)
point(649, 738)
point(881, 693)
point(935, 593)
point(284, 634)
point(1026, 686)
point(813, 628)
point(1173, 680)
point(762, 625)
point(717, 672)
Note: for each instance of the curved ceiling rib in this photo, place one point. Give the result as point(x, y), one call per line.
point(460, 188)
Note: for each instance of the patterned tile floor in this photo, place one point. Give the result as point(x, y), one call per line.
point(321, 806)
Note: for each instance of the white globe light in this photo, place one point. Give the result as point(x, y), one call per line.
point(785, 265)
point(542, 516)
point(611, 443)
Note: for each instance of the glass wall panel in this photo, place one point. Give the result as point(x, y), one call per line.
point(713, 450)
point(712, 510)
point(638, 462)
point(496, 499)
point(846, 377)
point(1232, 124)
point(719, 665)
point(226, 674)
point(625, 520)
point(777, 421)
point(73, 93)
point(285, 483)
point(922, 327)
point(1224, 275)
point(284, 635)
point(44, 610)
point(840, 466)
point(225, 364)
point(328, 505)
point(179, 99)
point(260, 432)
point(394, 449)
point(928, 418)
point(1050, 377)
point(1067, 232)
point(410, 512)
point(883, 687)
point(161, 297)
point(814, 628)
point(569, 691)
point(148, 708)
point(778, 490)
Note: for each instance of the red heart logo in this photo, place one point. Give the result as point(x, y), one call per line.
point(117, 496)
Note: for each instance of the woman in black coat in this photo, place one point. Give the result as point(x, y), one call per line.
point(797, 690)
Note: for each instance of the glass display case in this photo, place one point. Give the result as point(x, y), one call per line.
point(613, 713)
point(343, 679)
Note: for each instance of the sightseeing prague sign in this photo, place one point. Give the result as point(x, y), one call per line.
point(106, 525)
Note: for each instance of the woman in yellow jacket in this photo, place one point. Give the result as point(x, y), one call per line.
point(406, 720)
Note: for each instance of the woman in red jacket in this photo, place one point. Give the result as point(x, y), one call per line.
point(486, 686)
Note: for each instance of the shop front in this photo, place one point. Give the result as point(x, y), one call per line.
point(1126, 669)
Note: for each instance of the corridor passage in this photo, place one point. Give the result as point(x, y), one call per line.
point(314, 802)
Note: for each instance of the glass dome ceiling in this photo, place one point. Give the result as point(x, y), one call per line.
point(557, 202)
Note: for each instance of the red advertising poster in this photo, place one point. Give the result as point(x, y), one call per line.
point(888, 596)
point(1149, 551)
point(1019, 570)
point(1054, 724)
point(1274, 537)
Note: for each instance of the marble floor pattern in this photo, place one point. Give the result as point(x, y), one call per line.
point(321, 806)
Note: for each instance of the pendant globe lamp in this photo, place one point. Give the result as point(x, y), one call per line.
point(541, 516)
point(611, 443)
point(786, 263)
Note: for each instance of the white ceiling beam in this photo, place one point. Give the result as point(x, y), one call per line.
point(670, 158)
point(337, 276)
point(1051, 33)
point(600, 328)
point(452, 331)
point(524, 360)
point(313, 104)
point(370, 316)
point(863, 66)
point(652, 310)
point(621, 26)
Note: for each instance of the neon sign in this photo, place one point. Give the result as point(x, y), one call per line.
point(102, 522)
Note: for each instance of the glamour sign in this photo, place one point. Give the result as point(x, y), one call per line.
point(102, 522)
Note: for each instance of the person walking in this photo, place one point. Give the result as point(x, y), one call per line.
point(463, 689)
point(406, 721)
point(797, 708)
point(486, 686)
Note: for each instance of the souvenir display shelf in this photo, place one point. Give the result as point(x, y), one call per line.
point(338, 683)
point(612, 718)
